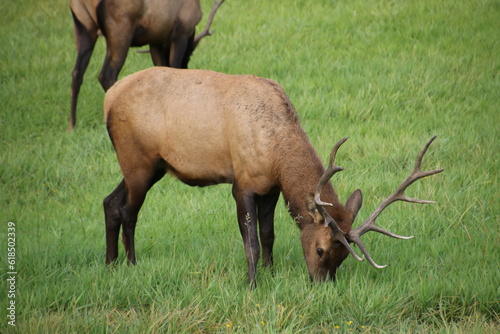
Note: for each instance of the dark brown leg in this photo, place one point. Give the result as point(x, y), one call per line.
point(137, 187)
point(247, 220)
point(122, 206)
point(112, 205)
point(265, 210)
point(178, 51)
point(187, 53)
point(159, 55)
point(85, 42)
point(117, 46)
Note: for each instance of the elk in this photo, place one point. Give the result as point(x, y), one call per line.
point(207, 128)
point(168, 27)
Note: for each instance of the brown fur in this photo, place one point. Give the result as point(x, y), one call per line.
point(168, 26)
point(208, 128)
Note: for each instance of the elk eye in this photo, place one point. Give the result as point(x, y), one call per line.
point(320, 251)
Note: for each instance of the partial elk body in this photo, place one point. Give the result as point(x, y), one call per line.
point(168, 26)
point(207, 128)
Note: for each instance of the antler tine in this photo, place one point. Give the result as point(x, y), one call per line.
point(337, 233)
point(355, 239)
point(206, 31)
point(369, 224)
point(329, 172)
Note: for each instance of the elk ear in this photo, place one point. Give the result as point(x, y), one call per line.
point(354, 203)
point(311, 209)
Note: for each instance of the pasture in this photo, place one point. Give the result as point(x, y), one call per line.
point(387, 74)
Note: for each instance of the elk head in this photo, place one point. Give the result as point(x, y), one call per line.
point(326, 243)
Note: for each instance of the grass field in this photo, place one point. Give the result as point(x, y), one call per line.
point(387, 74)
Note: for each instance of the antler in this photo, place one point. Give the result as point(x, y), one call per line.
point(398, 195)
point(337, 233)
point(206, 31)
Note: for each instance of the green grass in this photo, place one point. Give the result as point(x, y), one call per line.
point(388, 74)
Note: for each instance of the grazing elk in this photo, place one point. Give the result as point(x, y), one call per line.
point(207, 128)
point(168, 26)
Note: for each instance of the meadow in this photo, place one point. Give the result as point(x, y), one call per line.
point(387, 74)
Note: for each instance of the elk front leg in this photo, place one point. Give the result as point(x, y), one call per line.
point(265, 211)
point(178, 51)
point(247, 220)
point(188, 52)
point(159, 54)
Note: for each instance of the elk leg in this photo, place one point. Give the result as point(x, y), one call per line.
point(85, 41)
point(159, 54)
point(116, 53)
point(112, 205)
point(137, 185)
point(189, 50)
point(265, 209)
point(178, 51)
point(247, 220)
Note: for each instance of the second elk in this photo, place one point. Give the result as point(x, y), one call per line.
point(167, 26)
point(207, 128)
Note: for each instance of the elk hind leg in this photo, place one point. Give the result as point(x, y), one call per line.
point(112, 204)
point(118, 33)
point(116, 53)
point(85, 38)
point(137, 184)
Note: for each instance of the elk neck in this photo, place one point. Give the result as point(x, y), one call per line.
point(299, 173)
